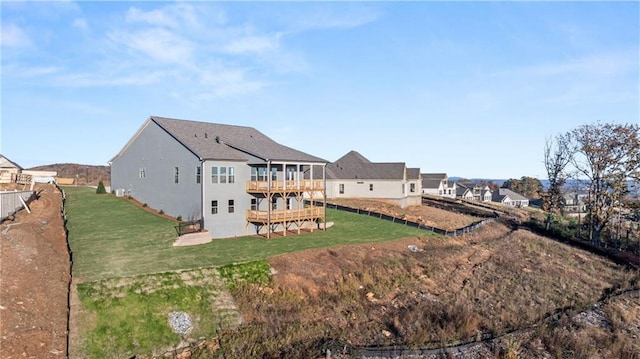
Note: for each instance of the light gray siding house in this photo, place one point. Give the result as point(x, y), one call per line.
point(354, 176)
point(509, 198)
point(233, 179)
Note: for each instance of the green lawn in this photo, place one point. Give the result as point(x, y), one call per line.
point(110, 238)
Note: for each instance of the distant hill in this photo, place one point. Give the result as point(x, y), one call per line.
point(84, 174)
point(498, 182)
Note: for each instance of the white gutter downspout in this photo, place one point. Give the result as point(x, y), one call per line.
point(269, 199)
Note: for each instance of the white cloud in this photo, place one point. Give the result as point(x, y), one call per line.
point(155, 43)
point(131, 78)
point(14, 36)
point(335, 17)
point(80, 23)
point(252, 44)
point(173, 16)
point(17, 70)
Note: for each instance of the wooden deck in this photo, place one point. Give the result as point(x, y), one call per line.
point(285, 186)
point(279, 216)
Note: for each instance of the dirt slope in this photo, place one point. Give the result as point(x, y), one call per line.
point(34, 278)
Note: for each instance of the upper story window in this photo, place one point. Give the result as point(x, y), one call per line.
point(254, 204)
point(223, 174)
point(198, 174)
point(232, 175)
point(412, 187)
point(232, 206)
point(214, 174)
point(142, 172)
point(262, 173)
point(176, 175)
point(274, 203)
point(254, 174)
point(274, 174)
point(214, 207)
point(341, 188)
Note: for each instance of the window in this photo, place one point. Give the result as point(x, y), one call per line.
point(370, 186)
point(254, 174)
point(341, 188)
point(262, 173)
point(232, 176)
point(142, 172)
point(274, 174)
point(254, 204)
point(404, 188)
point(214, 174)
point(223, 174)
point(412, 187)
point(176, 175)
point(288, 203)
point(214, 207)
point(198, 174)
point(274, 203)
point(231, 206)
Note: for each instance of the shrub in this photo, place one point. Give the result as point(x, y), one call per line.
point(101, 189)
point(144, 205)
point(179, 218)
point(160, 212)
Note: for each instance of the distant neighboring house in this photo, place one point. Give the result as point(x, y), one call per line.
point(477, 192)
point(486, 194)
point(509, 198)
point(574, 203)
point(464, 192)
point(9, 170)
point(233, 179)
point(354, 176)
point(438, 184)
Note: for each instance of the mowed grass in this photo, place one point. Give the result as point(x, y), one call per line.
point(110, 238)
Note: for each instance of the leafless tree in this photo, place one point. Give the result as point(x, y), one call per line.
point(558, 153)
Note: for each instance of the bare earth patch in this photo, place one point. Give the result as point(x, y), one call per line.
point(491, 282)
point(429, 216)
point(34, 280)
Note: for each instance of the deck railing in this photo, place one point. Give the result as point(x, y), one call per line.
point(281, 186)
point(285, 215)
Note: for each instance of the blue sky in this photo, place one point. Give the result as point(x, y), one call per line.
point(467, 88)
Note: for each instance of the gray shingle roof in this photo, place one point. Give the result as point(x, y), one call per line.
point(513, 195)
point(430, 183)
point(355, 166)
point(413, 173)
point(229, 142)
point(434, 176)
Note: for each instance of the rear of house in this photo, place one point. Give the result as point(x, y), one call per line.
point(233, 179)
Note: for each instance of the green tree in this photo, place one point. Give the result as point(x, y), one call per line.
point(527, 186)
point(101, 189)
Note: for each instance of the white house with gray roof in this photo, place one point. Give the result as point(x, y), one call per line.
point(354, 176)
point(509, 198)
point(438, 184)
point(233, 179)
